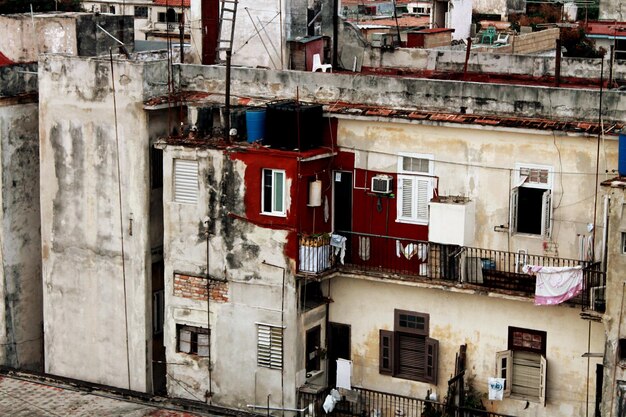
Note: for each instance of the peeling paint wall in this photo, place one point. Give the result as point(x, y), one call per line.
point(260, 287)
point(466, 318)
point(62, 33)
point(21, 314)
point(451, 96)
point(480, 163)
point(96, 295)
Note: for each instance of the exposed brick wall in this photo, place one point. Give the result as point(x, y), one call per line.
point(194, 288)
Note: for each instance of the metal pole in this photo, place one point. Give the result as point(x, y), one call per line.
point(227, 98)
point(181, 28)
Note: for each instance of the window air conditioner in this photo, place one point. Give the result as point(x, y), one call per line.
point(381, 184)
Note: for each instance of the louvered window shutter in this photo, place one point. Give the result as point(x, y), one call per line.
point(270, 346)
point(423, 198)
point(185, 181)
point(411, 359)
point(546, 204)
point(543, 372)
point(513, 213)
point(405, 197)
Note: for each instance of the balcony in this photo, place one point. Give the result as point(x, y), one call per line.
point(362, 402)
point(472, 268)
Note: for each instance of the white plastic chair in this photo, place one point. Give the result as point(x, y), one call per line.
point(317, 64)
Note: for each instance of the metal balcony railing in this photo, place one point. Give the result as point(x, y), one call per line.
point(486, 268)
point(362, 402)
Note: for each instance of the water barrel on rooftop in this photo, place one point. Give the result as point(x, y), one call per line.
point(293, 125)
point(621, 163)
point(255, 124)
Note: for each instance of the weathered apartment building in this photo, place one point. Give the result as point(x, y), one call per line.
point(209, 264)
point(154, 20)
point(21, 321)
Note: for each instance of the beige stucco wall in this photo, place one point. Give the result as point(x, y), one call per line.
point(260, 290)
point(479, 321)
point(480, 163)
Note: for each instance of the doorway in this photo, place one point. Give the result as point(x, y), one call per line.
point(338, 348)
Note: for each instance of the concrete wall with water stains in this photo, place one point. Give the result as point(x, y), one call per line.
point(21, 314)
point(96, 245)
point(260, 287)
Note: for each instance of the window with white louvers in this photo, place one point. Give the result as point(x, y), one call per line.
point(414, 190)
point(414, 194)
point(269, 346)
point(185, 181)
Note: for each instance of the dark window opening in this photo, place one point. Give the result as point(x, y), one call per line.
point(313, 349)
point(156, 168)
point(622, 349)
point(141, 11)
point(311, 295)
point(529, 210)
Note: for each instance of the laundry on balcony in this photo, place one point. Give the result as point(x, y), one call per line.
point(555, 284)
point(338, 243)
point(412, 249)
point(364, 248)
point(314, 254)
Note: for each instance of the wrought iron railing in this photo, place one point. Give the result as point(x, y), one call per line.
point(362, 402)
point(487, 268)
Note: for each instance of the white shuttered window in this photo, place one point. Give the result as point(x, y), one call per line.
point(414, 190)
point(269, 346)
point(185, 181)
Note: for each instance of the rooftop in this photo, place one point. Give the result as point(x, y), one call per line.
point(172, 3)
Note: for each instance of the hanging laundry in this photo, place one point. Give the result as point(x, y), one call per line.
point(338, 243)
point(364, 248)
point(496, 389)
point(555, 284)
point(411, 249)
point(422, 251)
point(326, 209)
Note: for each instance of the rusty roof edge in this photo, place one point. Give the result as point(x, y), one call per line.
point(406, 115)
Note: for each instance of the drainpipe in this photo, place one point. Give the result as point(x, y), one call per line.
point(282, 324)
point(208, 312)
point(181, 28)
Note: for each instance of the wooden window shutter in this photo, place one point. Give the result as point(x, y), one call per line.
point(410, 361)
point(543, 372)
point(546, 205)
point(432, 348)
point(513, 213)
point(385, 352)
point(423, 198)
point(504, 369)
point(203, 344)
point(405, 197)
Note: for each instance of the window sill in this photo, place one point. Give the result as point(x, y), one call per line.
point(416, 222)
point(529, 235)
point(521, 397)
point(283, 215)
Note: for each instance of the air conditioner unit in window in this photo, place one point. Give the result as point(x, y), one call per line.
point(381, 184)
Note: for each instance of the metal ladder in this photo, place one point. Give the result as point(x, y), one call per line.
point(228, 13)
